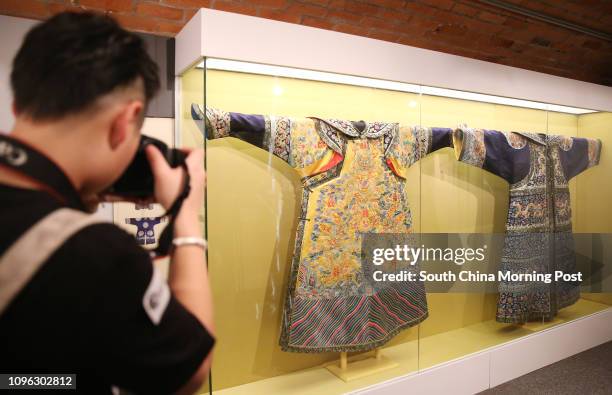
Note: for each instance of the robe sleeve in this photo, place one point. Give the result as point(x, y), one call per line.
point(503, 154)
point(429, 140)
point(294, 140)
point(414, 143)
point(578, 155)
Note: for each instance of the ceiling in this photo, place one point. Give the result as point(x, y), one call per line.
point(568, 38)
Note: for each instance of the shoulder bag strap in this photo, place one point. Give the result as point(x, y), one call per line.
point(27, 255)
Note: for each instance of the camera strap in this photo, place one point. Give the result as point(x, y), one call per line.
point(165, 239)
point(29, 162)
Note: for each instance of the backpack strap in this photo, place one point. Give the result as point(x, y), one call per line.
point(28, 254)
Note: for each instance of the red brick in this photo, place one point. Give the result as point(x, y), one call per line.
point(451, 30)
point(343, 17)
point(443, 4)
point(350, 29)
point(317, 22)
point(419, 25)
point(56, 8)
point(317, 2)
point(464, 9)
point(136, 22)
point(377, 23)
point(450, 17)
point(524, 36)
point(361, 8)
point(484, 27)
point(491, 17)
point(188, 3)
point(486, 47)
point(420, 9)
point(384, 35)
point(412, 40)
point(391, 4)
point(108, 5)
point(280, 15)
point(169, 27)
point(516, 23)
point(552, 33)
point(231, 6)
point(24, 8)
point(501, 42)
point(189, 13)
point(592, 44)
point(307, 9)
point(269, 3)
point(400, 16)
point(337, 4)
point(159, 11)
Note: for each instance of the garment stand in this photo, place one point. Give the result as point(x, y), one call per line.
point(360, 365)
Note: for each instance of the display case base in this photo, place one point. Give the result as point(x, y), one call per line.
point(361, 368)
point(536, 326)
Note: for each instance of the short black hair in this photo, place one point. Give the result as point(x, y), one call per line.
point(66, 63)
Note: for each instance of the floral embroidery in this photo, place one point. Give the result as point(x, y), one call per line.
point(473, 149)
point(377, 129)
point(407, 146)
point(332, 306)
point(330, 135)
point(594, 148)
point(345, 127)
point(280, 136)
point(515, 140)
point(366, 199)
point(565, 142)
point(218, 122)
point(306, 145)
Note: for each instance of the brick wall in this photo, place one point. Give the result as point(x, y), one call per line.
point(462, 27)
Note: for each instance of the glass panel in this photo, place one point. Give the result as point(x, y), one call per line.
point(482, 202)
point(462, 200)
point(254, 203)
point(255, 218)
point(592, 209)
point(189, 135)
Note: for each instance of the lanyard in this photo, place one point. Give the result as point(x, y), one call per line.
point(29, 162)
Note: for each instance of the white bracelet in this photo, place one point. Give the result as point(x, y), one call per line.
point(190, 241)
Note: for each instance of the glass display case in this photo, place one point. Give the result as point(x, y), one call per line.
point(438, 154)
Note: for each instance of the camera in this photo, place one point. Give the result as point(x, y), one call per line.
point(137, 181)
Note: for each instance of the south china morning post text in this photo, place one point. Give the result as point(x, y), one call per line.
point(392, 261)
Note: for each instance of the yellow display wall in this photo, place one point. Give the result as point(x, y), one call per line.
point(253, 200)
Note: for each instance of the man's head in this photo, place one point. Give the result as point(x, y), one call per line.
point(84, 79)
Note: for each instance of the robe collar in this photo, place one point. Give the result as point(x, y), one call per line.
point(538, 138)
point(372, 130)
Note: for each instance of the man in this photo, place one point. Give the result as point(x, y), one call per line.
point(81, 85)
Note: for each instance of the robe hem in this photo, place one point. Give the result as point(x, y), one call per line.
point(358, 347)
point(535, 316)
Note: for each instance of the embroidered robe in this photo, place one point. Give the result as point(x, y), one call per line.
point(353, 176)
point(538, 227)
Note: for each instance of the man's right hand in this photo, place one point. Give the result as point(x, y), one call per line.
point(169, 183)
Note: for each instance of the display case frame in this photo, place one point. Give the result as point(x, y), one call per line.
point(212, 34)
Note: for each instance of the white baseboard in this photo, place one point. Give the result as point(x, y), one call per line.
point(494, 366)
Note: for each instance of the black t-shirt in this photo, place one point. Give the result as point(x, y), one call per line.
point(83, 311)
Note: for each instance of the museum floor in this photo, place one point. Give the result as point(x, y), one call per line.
point(589, 372)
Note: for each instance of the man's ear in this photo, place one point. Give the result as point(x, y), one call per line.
point(125, 122)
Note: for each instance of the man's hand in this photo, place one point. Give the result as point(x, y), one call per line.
point(168, 180)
